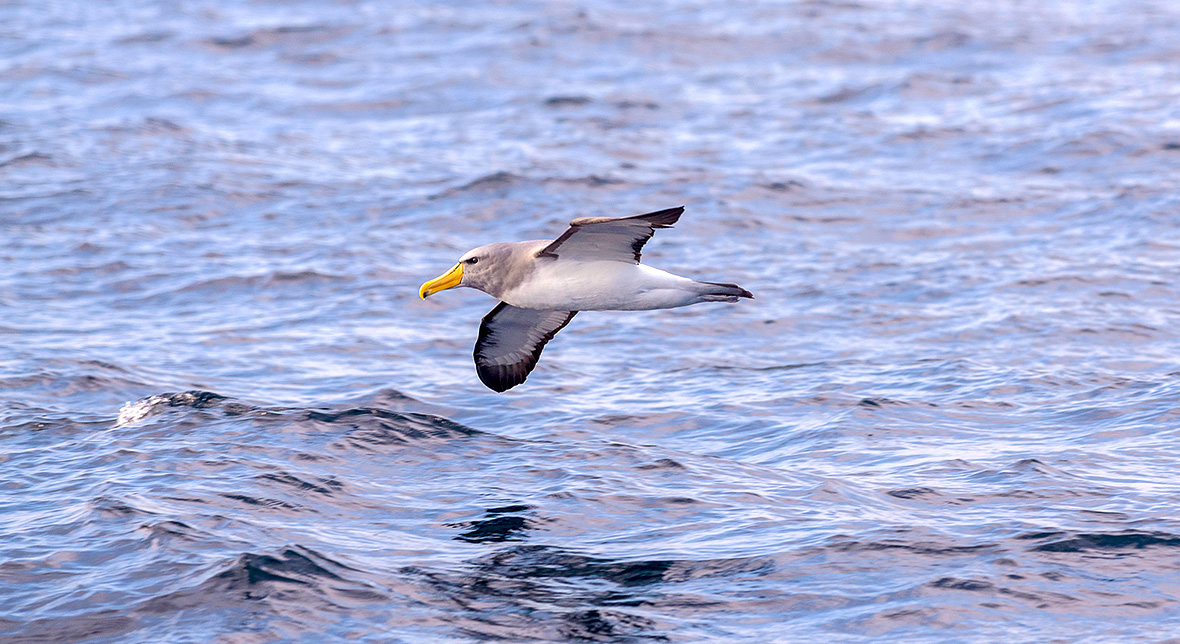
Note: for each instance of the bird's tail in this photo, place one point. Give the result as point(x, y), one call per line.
point(714, 292)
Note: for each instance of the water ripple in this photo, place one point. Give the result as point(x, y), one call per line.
point(950, 415)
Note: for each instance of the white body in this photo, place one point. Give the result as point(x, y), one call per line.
point(569, 285)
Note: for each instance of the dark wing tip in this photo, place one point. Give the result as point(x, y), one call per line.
point(500, 378)
point(729, 290)
point(662, 218)
point(658, 219)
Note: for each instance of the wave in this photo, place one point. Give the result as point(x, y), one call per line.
point(365, 428)
point(296, 574)
point(548, 593)
point(134, 412)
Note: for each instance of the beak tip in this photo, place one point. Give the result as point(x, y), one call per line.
point(450, 279)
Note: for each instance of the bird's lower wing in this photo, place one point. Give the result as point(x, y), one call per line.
point(510, 343)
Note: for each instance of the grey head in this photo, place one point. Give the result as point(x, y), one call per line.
point(493, 269)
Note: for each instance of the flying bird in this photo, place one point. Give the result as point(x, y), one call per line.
point(541, 285)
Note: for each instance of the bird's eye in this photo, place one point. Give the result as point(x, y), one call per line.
point(473, 260)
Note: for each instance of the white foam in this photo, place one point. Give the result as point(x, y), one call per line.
point(133, 412)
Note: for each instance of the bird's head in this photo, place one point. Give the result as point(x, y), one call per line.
point(475, 269)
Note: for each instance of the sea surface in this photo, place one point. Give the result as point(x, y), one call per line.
point(950, 414)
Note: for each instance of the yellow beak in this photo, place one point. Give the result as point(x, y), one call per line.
point(449, 279)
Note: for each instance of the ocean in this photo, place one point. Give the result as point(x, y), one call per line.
point(949, 415)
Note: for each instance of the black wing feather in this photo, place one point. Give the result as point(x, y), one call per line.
point(510, 343)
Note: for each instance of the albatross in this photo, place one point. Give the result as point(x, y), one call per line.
point(542, 285)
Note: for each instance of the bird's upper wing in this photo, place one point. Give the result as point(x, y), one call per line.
point(510, 343)
point(610, 238)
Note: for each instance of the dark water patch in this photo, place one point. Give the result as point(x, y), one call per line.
point(293, 565)
point(735, 567)
point(231, 43)
point(509, 508)
point(545, 562)
point(265, 503)
point(324, 486)
point(172, 529)
point(590, 625)
point(592, 181)
point(607, 625)
point(113, 507)
point(506, 523)
point(1105, 542)
point(285, 36)
point(637, 105)
point(567, 101)
point(782, 367)
point(1010, 587)
point(548, 593)
point(924, 548)
point(146, 37)
point(983, 404)
point(662, 464)
point(784, 186)
point(850, 94)
point(346, 109)
point(963, 584)
point(543, 593)
point(27, 159)
point(371, 429)
point(494, 530)
point(883, 402)
point(915, 493)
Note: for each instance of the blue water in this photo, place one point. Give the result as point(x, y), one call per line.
point(949, 416)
